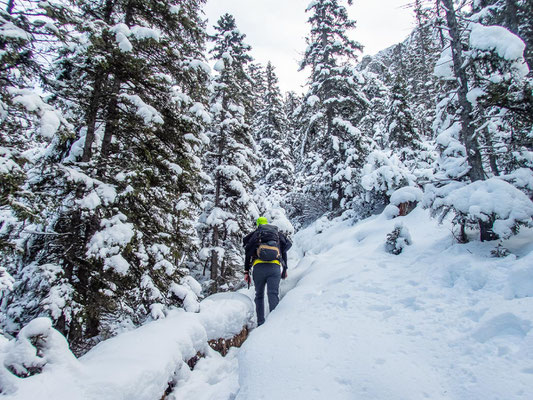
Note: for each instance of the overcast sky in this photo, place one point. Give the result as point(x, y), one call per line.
point(276, 29)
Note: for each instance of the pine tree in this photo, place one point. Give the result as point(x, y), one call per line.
point(421, 55)
point(229, 209)
point(423, 31)
point(277, 171)
point(377, 93)
point(257, 72)
point(29, 126)
point(16, 58)
point(400, 123)
point(292, 103)
point(118, 201)
point(333, 146)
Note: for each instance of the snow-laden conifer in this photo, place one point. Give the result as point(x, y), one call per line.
point(117, 201)
point(30, 127)
point(276, 173)
point(332, 148)
point(229, 210)
point(403, 135)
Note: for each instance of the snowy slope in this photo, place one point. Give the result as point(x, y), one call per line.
point(439, 321)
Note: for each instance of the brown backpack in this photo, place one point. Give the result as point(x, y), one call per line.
point(268, 248)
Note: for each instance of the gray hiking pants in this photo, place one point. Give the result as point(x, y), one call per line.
point(269, 275)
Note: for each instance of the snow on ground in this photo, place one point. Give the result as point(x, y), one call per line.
point(213, 378)
point(136, 365)
point(439, 321)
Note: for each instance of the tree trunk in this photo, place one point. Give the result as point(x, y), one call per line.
point(111, 117)
point(108, 10)
point(469, 140)
point(216, 234)
point(91, 115)
point(527, 32)
point(441, 35)
point(462, 234)
point(492, 155)
point(214, 256)
point(511, 16)
point(486, 232)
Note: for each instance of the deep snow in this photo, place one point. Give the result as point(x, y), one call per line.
point(440, 321)
point(135, 365)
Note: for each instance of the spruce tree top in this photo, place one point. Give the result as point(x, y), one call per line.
point(328, 41)
point(230, 41)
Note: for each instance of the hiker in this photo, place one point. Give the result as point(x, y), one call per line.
point(265, 251)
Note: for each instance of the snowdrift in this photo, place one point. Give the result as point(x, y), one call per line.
point(136, 365)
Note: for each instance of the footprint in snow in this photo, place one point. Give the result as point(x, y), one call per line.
point(475, 315)
point(379, 308)
point(324, 335)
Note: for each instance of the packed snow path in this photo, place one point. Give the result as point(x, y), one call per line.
point(439, 321)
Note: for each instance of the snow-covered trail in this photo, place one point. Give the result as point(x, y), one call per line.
point(439, 321)
point(347, 330)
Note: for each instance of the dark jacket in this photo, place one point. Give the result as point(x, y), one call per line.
point(251, 242)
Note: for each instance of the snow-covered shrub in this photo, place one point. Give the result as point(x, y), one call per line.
point(499, 251)
point(398, 239)
point(188, 291)
point(406, 195)
point(452, 162)
point(382, 174)
point(522, 178)
point(36, 345)
point(520, 280)
point(224, 315)
point(391, 211)
point(493, 202)
point(41, 287)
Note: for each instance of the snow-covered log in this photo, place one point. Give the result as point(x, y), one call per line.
point(136, 365)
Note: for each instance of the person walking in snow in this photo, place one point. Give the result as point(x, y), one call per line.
point(266, 251)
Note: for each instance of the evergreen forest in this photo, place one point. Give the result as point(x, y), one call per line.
point(136, 149)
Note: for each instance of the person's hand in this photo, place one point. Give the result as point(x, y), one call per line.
point(247, 278)
point(284, 274)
